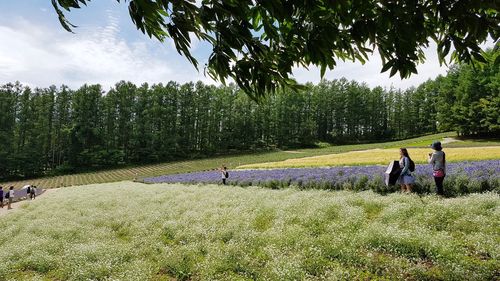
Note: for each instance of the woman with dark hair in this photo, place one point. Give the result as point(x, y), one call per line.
point(438, 161)
point(224, 174)
point(406, 180)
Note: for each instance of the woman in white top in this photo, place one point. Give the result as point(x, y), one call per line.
point(224, 175)
point(438, 161)
point(11, 197)
point(406, 179)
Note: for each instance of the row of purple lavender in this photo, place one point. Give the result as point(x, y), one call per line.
point(462, 177)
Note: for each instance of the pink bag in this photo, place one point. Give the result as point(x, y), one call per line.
point(438, 173)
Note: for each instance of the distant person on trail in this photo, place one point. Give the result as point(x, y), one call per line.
point(224, 175)
point(33, 192)
point(406, 179)
point(438, 161)
point(1, 197)
point(10, 196)
point(28, 190)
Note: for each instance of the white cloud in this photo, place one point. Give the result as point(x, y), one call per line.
point(40, 56)
point(370, 71)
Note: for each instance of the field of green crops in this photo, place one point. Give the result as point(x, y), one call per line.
point(231, 161)
point(132, 231)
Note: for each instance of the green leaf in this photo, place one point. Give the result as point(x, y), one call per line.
point(386, 66)
point(394, 70)
point(323, 70)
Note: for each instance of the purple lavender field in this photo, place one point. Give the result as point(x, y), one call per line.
point(462, 178)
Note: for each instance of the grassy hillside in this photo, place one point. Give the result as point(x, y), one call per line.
point(231, 161)
point(130, 231)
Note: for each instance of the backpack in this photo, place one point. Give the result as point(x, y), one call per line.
point(29, 190)
point(227, 174)
point(412, 166)
point(7, 194)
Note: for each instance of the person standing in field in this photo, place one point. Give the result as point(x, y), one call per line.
point(11, 197)
point(406, 179)
point(1, 197)
point(438, 161)
point(224, 175)
point(33, 192)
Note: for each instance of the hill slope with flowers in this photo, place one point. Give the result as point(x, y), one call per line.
point(233, 161)
point(132, 231)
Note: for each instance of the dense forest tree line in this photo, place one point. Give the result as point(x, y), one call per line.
point(56, 130)
point(469, 97)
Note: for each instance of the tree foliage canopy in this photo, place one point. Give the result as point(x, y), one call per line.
point(258, 42)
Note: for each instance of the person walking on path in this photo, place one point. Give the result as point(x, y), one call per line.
point(33, 192)
point(224, 175)
point(438, 161)
point(11, 197)
point(28, 190)
point(1, 197)
point(406, 179)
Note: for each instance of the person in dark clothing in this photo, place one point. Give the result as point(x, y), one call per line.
point(1, 197)
point(33, 192)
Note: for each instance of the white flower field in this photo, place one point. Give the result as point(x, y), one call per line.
point(132, 231)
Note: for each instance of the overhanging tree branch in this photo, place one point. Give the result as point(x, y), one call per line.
point(273, 36)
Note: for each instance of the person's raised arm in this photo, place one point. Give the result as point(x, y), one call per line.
point(432, 158)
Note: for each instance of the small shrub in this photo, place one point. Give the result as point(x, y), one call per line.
point(361, 183)
point(182, 265)
point(264, 219)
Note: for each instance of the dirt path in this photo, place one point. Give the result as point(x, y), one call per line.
point(293, 151)
point(448, 140)
point(17, 205)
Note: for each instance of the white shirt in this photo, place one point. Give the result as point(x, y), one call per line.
point(437, 160)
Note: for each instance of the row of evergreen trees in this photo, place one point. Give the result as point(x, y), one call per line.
point(54, 130)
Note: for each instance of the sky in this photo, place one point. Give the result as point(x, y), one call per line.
point(106, 48)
